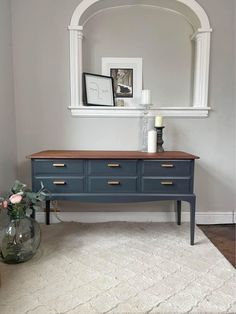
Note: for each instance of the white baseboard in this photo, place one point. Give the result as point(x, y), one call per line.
point(96, 217)
point(214, 218)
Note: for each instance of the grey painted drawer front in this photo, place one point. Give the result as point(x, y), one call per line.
point(97, 176)
point(166, 186)
point(58, 166)
point(112, 185)
point(166, 168)
point(112, 167)
point(62, 185)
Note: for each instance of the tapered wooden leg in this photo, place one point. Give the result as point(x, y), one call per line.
point(47, 214)
point(178, 212)
point(192, 220)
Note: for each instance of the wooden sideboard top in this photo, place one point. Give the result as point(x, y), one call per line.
point(92, 154)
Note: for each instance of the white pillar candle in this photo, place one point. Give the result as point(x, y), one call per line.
point(152, 141)
point(146, 97)
point(158, 121)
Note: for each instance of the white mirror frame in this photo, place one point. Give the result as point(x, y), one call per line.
point(202, 37)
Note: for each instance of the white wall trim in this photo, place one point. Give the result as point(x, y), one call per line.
point(134, 112)
point(234, 217)
point(214, 218)
point(97, 217)
point(191, 4)
point(201, 36)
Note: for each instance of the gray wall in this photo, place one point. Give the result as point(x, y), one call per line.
point(41, 68)
point(7, 114)
point(162, 40)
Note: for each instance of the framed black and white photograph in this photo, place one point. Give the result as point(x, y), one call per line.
point(98, 90)
point(123, 82)
point(127, 76)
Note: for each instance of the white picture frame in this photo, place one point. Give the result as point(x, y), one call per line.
point(130, 64)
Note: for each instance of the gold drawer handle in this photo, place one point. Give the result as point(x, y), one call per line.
point(59, 182)
point(113, 182)
point(59, 165)
point(113, 165)
point(167, 183)
point(167, 166)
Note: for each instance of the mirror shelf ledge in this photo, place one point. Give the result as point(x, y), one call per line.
point(135, 112)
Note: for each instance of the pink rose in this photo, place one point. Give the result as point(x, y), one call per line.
point(15, 198)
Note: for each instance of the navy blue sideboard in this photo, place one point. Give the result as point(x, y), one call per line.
point(116, 176)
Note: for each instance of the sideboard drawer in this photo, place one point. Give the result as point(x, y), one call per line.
point(112, 167)
point(112, 185)
point(58, 166)
point(61, 185)
point(168, 168)
point(166, 186)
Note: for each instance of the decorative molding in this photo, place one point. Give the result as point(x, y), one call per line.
point(199, 31)
point(98, 217)
point(135, 112)
point(140, 5)
point(202, 65)
point(201, 36)
point(75, 68)
point(193, 5)
point(75, 28)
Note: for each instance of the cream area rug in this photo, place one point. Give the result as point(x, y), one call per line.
point(119, 268)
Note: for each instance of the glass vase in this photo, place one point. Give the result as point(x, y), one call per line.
point(146, 124)
point(20, 239)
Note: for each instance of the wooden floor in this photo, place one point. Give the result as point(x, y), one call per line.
point(223, 237)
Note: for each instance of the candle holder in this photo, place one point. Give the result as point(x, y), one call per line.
point(160, 141)
point(145, 124)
